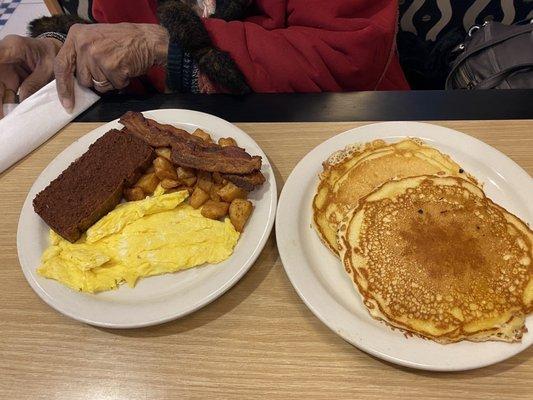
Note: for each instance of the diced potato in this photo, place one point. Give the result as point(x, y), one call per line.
point(205, 181)
point(166, 174)
point(213, 193)
point(163, 163)
point(189, 181)
point(164, 152)
point(229, 141)
point(184, 173)
point(169, 183)
point(148, 183)
point(164, 169)
point(188, 189)
point(217, 178)
point(198, 197)
point(239, 212)
point(134, 194)
point(215, 209)
point(179, 189)
point(231, 192)
point(202, 135)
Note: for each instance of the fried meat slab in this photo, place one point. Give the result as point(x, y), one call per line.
point(191, 151)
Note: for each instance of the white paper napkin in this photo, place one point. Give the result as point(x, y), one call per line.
point(8, 107)
point(36, 119)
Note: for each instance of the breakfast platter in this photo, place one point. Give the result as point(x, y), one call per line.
point(408, 240)
point(131, 216)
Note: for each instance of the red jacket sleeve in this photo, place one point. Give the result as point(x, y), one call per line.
point(314, 45)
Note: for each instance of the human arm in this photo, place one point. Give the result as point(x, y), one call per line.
point(107, 56)
point(292, 46)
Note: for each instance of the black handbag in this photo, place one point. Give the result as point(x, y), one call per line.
point(494, 56)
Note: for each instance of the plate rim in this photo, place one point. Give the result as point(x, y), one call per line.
point(205, 300)
point(307, 295)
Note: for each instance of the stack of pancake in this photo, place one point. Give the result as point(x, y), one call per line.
point(427, 251)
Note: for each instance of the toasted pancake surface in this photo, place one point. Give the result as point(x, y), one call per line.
point(354, 172)
point(436, 257)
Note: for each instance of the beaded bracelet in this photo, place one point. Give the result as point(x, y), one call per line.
point(54, 35)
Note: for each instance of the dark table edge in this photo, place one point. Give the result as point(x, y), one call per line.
point(329, 107)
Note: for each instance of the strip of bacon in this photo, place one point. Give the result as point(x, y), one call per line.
point(214, 158)
point(191, 151)
point(248, 181)
point(156, 135)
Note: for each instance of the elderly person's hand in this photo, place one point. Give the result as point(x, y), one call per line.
point(107, 56)
point(26, 65)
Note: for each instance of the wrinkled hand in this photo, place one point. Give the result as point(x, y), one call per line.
point(26, 65)
point(107, 56)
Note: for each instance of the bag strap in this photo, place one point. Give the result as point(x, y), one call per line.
point(495, 79)
point(489, 43)
point(524, 21)
point(516, 32)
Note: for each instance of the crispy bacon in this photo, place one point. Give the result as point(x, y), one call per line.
point(153, 133)
point(214, 158)
point(248, 181)
point(191, 151)
point(176, 132)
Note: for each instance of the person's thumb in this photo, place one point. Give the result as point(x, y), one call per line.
point(36, 80)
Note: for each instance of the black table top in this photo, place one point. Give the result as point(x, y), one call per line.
point(355, 106)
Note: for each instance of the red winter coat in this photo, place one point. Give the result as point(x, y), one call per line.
point(297, 45)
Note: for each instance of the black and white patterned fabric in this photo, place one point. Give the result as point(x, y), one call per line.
point(430, 30)
point(80, 8)
point(431, 19)
point(7, 8)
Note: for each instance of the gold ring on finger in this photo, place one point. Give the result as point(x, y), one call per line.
point(101, 83)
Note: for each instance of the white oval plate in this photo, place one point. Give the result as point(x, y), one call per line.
point(326, 289)
point(160, 298)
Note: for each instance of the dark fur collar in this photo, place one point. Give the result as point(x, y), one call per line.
point(55, 23)
point(186, 28)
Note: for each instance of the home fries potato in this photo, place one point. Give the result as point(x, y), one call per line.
point(215, 196)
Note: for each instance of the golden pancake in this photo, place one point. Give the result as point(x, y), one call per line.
point(434, 256)
point(356, 171)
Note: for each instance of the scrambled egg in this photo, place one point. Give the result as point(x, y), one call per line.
point(153, 236)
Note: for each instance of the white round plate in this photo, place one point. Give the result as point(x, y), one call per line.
point(160, 298)
point(326, 289)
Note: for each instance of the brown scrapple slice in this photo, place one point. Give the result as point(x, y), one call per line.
point(92, 185)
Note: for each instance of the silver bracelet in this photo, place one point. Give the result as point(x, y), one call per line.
point(54, 35)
